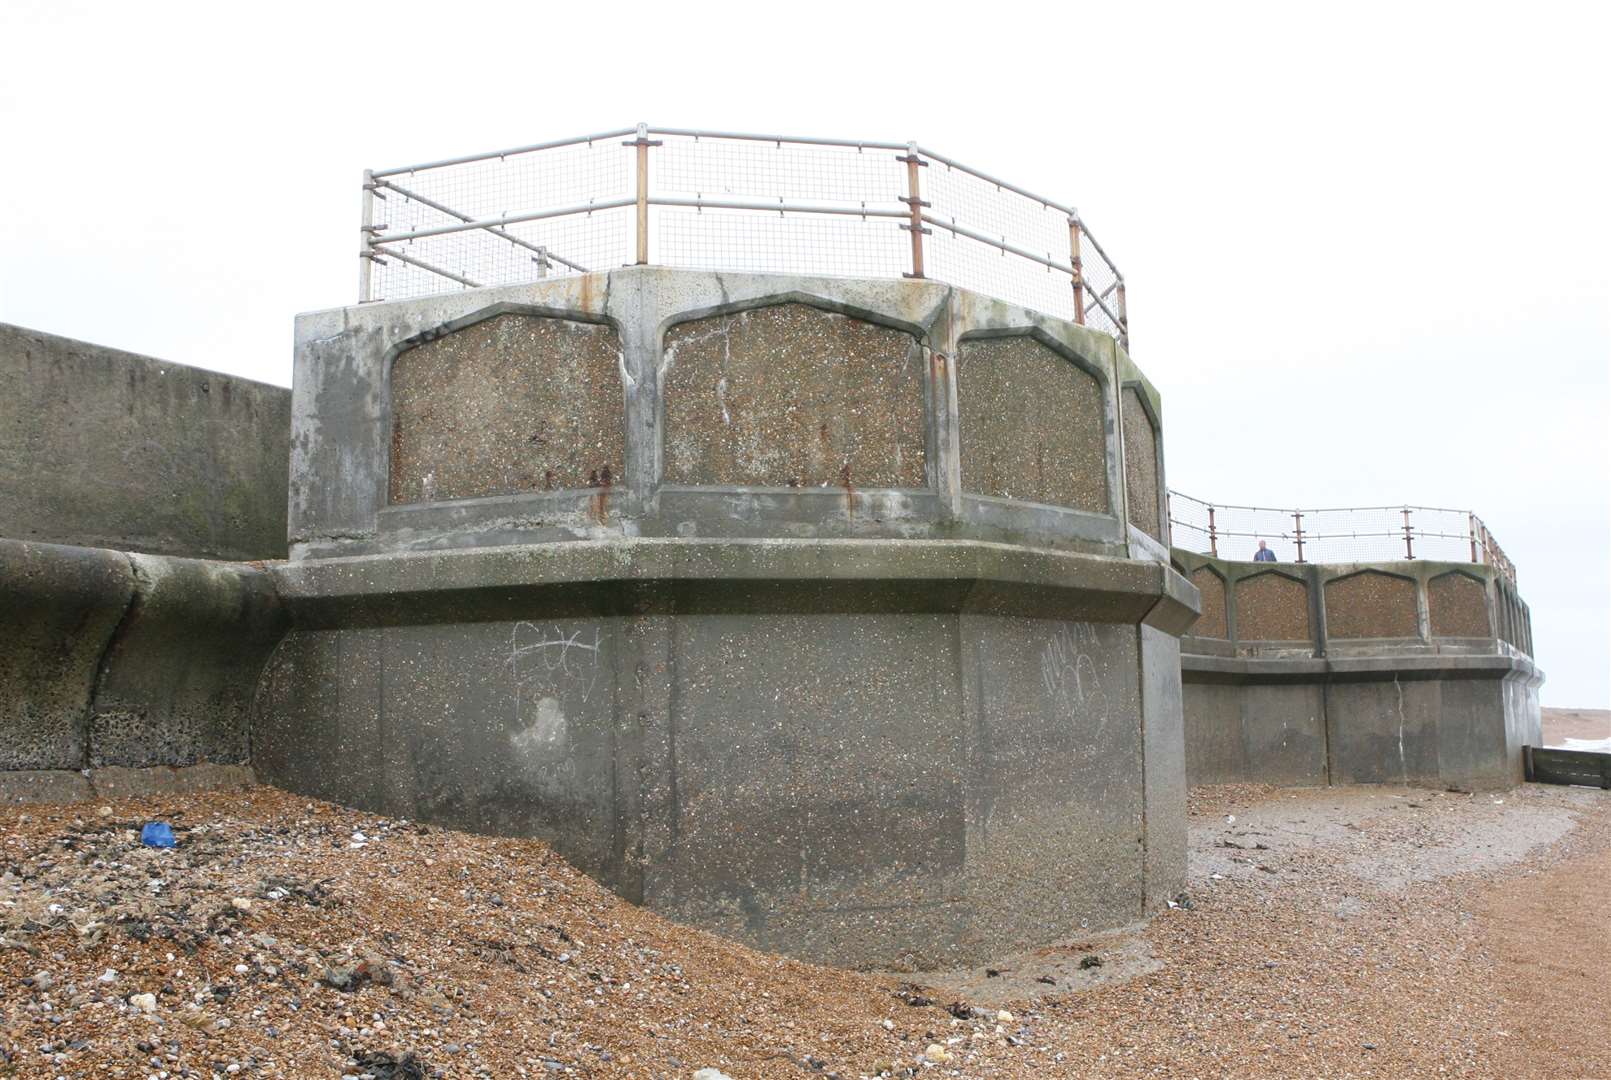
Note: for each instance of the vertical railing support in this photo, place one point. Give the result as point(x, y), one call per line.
point(1079, 275)
point(1213, 536)
point(1471, 531)
point(915, 203)
point(1297, 531)
point(1409, 546)
point(366, 243)
point(643, 142)
point(1124, 319)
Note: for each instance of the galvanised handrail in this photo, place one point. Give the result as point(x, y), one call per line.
point(966, 217)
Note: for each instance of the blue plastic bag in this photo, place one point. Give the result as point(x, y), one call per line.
point(157, 834)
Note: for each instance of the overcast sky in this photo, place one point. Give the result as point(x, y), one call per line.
point(1366, 245)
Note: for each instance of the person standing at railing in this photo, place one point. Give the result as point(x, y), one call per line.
point(1263, 554)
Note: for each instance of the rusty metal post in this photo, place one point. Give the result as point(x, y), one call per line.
point(1213, 536)
point(1471, 530)
point(1409, 547)
point(643, 142)
point(366, 243)
point(1297, 529)
point(915, 203)
point(1079, 280)
point(1124, 319)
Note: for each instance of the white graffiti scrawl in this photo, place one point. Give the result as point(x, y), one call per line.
point(1069, 674)
point(551, 668)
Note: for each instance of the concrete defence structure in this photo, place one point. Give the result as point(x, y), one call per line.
point(823, 613)
point(1413, 672)
point(838, 616)
point(107, 449)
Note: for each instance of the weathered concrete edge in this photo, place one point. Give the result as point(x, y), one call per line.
point(37, 786)
point(951, 574)
point(1195, 667)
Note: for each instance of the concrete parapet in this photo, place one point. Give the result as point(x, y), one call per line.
point(656, 402)
point(101, 448)
point(114, 659)
point(1356, 673)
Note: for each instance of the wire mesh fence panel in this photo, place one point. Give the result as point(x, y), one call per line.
point(840, 207)
point(963, 199)
point(1343, 535)
point(957, 260)
point(494, 188)
point(718, 168)
point(790, 175)
point(1102, 307)
point(746, 241)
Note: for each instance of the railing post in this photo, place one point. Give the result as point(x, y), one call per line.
point(1471, 530)
point(1297, 531)
point(366, 243)
point(1124, 319)
point(541, 259)
point(914, 202)
point(643, 142)
point(1409, 547)
point(1079, 275)
point(1213, 536)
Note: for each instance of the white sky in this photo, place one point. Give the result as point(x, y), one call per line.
point(1365, 244)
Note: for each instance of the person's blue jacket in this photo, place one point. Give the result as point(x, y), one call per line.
point(1264, 555)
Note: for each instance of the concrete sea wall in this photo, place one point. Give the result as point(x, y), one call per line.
point(823, 613)
point(102, 448)
point(1403, 672)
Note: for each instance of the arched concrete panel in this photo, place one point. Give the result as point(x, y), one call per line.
point(1457, 606)
point(505, 403)
point(1033, 423)
point(793, 396)
point(1272, 606)
point(1371, 604)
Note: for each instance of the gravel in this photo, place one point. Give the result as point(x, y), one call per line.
point(1337, 932)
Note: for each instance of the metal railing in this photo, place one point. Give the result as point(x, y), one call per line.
point(729, 201)
point(1339, 534)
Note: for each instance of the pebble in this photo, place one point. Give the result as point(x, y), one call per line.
point(711, 1074)
point(937, 1053)
point(146, 1003)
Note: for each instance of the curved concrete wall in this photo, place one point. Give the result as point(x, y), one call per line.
point(825, 627)
point(1402, 672)
point(111, 659)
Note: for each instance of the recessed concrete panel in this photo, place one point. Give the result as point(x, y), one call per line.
point(1371, 604)
point(514, 403)
point(1385, 732)
point(1272, 607)
point(1055, 771)
point(1141, 471)
point(793, 396)
point(1458, 606)
point(1211, 623)
point(1032, 425)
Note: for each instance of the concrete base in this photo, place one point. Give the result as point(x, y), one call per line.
point(65, 786)
point(868, 753)
point(1439, 721)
